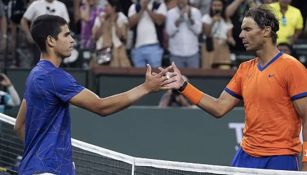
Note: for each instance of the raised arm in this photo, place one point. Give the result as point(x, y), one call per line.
point(24, 25)
point(231, 8)
point(156, 17)
point(134, 15)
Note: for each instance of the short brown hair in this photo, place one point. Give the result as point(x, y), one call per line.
point(264, 17)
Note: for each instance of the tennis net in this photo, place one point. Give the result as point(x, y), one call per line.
point(93, 160)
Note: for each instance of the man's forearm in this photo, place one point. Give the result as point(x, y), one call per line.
point(15, 97)
point(120, 101)
point(21, 133)
point(157, 18)
point(134, 19)
point(231, 9)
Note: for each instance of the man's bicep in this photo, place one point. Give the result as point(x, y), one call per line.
point(218, 107)
point(86, 99)
point(229, 100)
point(301, 107)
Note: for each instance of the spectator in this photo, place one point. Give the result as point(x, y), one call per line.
point(88, 13)
point(286, 48)
point(235, 10)
point(15, 11)
point(290, 21)
point(202, 5)
point(76, 16)
point(110, 31)
point(73, 25)
point(3, 27)
point(173, 98)
point(146, 19)
point(38, 8)
point(268, 1)
point(10, 98)
point(125, 6)
point(170, 4)
point(302, 6)
point(217, 30)
point(183, 28)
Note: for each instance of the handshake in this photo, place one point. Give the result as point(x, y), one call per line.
point(167, 78)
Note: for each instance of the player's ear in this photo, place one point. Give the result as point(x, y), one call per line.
point(267, 31)
point(50, 41)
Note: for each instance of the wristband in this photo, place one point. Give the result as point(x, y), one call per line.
point(184, 85)
point(193, 94)
point(304, 156)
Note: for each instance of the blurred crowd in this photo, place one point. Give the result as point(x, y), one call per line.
point(133, 33)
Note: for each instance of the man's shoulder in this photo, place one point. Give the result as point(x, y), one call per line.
point(35, 4)
point(274, 5)
point(289, 61)
point(247, 65)
point(59, 3)
point(121, 16)
point(195, 10)
point(249, 62)
point(45, 69)
point(293, 10)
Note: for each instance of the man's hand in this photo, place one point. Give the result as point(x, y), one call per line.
point(6, 82)
point(156, 81)
point(144, 4)
point(176, 81)
point(179, 21)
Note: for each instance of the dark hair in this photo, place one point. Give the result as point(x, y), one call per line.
point(115, 4)
point(264, 17)
point(223, 14)
point(44, 26)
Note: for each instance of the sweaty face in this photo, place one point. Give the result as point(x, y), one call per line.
point(64, 43)
point(252, 35)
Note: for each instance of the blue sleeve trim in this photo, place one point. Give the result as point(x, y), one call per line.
point(233, 94)
point(298, 96)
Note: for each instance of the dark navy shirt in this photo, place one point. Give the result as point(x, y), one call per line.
point(47, 126)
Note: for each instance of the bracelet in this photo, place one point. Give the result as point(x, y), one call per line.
point(184, 85)
point(192, 94)
point(304, 156)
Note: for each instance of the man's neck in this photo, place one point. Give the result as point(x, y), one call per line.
point(283, 8)
point(266, 54)
point(49, 1)
point(55, 60)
